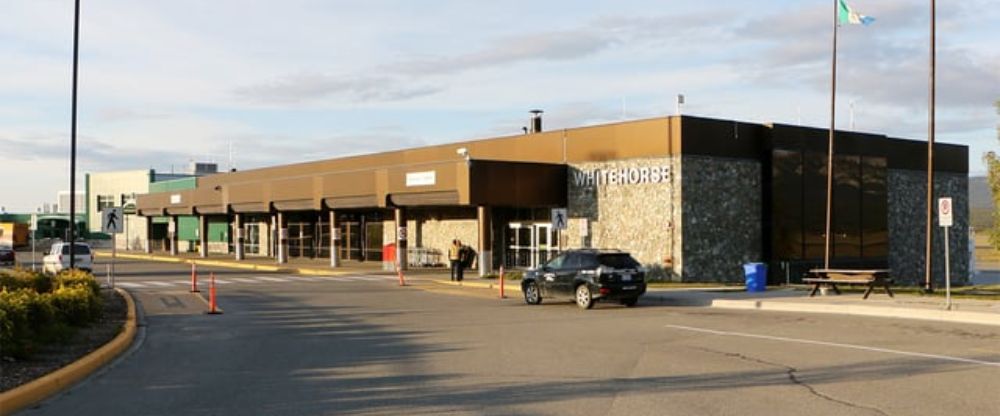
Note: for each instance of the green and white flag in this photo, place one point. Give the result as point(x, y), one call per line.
point(848, 15)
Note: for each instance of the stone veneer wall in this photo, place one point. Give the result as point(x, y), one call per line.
point(907, 199)
point(427, 232)
point(722, 218)
point(636, 217)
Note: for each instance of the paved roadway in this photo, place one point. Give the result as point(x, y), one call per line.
point(313, 345)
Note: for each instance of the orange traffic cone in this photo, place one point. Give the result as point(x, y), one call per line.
point(212, 308)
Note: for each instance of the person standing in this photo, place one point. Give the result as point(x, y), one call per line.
point(455, 257)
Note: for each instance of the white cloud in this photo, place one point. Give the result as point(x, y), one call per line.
point(164, 82)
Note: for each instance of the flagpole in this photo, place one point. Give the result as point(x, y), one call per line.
point(829, 152)
point(928, 284)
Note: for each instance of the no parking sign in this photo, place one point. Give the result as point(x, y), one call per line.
point(944, 212)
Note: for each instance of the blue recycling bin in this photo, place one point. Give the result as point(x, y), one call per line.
point(756, 276)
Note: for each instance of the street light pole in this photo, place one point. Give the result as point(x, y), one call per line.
point(72, 152)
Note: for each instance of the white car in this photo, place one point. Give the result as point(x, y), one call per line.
point(58, 258)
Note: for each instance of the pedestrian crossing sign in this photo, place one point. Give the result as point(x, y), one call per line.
point(112, 221)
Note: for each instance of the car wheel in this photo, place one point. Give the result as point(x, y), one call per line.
point(531, 294)
point(630, 302)
point(584, 299)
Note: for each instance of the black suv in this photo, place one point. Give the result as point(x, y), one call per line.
point(586, 275)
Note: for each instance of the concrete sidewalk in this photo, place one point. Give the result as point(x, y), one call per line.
point(903, 306)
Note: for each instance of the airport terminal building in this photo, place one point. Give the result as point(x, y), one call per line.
point(692, 198)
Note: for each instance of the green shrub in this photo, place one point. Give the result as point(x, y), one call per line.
point(25, 314)
point(78, 278)
point(36, 309)
point(76, 305)
point(19, 278)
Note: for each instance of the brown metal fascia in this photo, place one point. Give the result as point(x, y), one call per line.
point(463, 172)
point(675, 136)
point(382, 187)
point(152, 202)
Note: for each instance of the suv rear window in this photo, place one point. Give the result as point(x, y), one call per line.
point(618, 261)
point(80, 249)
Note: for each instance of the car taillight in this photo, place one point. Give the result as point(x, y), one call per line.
point(605, 290)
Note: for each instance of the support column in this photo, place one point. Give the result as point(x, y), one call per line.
point(334, 240)
point(282, 239)
point(271, 238)
point(172, 234)
point(148, 248)
point(485, 261)
point(238, 232)
point(202, 236)
point(401, 238)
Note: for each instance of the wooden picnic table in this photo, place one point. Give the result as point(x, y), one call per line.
point(832, 277)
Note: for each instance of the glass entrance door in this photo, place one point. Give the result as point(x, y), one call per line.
point(350, 244)
point(545, 243)
point(530, 245)
point(251, 242)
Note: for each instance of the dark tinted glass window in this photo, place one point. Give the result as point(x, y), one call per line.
point(874, 216)
point(556, 263)
point(846, 220)
point(814, 204)
point(588, 261)
point(572, 261)
point(786, 204)
point(618, 261)
point(80, 249)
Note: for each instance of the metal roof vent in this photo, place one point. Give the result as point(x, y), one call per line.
point(536, 121)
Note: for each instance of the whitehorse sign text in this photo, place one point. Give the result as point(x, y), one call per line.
point(621, 176)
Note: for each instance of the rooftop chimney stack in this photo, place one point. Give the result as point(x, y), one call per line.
point(536, 121)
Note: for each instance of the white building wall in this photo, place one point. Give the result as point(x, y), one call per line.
point(116, 184)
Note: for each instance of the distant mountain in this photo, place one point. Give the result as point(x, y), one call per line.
point(981, 206)
point(979, 193)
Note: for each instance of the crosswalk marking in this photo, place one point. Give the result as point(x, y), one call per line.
point(271, 279)
point(204, 282)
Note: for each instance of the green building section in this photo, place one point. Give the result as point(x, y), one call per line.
point(173, 185)
point(187, 225)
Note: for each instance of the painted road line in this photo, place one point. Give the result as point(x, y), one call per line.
point(382, 277)
point(837, 345)
point(271, 279)
point(131, 285)
point(356, 278)
point(244, 280)
point(159, 284)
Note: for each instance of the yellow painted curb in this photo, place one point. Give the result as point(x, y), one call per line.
point(480, 285)
point(49, 384)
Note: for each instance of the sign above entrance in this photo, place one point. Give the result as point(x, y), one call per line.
point(421, 178)
point(559, 218)
point(175, 198)
point(621, 176)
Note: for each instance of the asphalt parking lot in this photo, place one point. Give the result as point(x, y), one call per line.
point(362, 344)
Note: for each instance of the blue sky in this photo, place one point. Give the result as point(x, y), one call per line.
point(166, 82)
